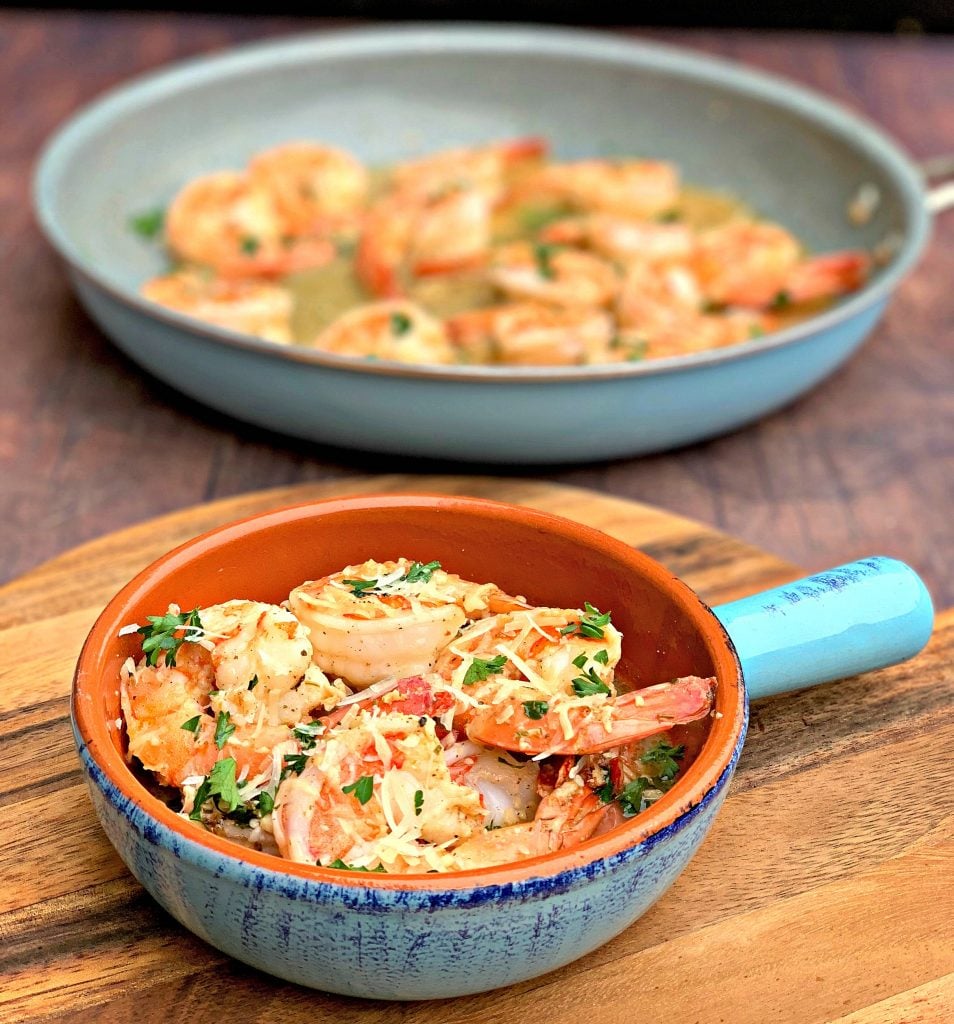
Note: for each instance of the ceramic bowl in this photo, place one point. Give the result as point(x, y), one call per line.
point(429, 935)
point(795, 156)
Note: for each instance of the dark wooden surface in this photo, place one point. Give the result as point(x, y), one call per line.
point(88, 443)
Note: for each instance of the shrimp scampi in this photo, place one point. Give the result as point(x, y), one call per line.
point(394, 716)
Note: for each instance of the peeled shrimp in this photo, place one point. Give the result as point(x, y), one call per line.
point(624, 239)
point(396, 330)
point(553, 275)
point(250, 307)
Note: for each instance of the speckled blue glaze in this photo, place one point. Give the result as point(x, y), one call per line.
point(727, 127)
point(848, 620)
point(397, 945)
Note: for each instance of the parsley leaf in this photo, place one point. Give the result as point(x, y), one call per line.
point(418, 801)
point(479, 669)
point(362, 789)
point(149, 223)
point(419, 573)
point(359, 587)
point(781, 301)
point(602, 657)
point(307, 732)
point(543, 257)
point(589, 684)
point(293, 763)
point(579, 660)
point(631, 797)
point(220, 782)
point(341, 866)
point(160, 637)
point(590, 625)
point(192, 725)
point(266, 803)
point(223, 729)
point(668, 217)
point(605, 793)
point(400, 323)
point(667, 757)
point(250, 245)
point(535, 709)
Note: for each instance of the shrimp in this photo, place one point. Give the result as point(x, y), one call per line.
point(421, 235)
point(567, 816)
point(315, 189)
point(225, 222)
point(624, 239)
point(553, 275)
point(826, 276)
point(247, 659)
point(375, 792)
point(745, 263)
point(589, 726)
point(532, 334)
point(383, 619)
point(487, 169)
point(533, 654)
point(396, 330)
point(250, 307)
point(625, 188)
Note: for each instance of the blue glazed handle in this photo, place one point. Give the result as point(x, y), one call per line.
point(861, 616)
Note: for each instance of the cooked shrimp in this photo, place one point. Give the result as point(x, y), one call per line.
point(416, 236)
point(396, 330)
point(826, 276)
point(566, 817)
point(487, 169)
point(250, 307)
point(316, 189)
point(553, 275)
point(624, 239)
point(225, 222)
point(533, 654)
point(577, 727)
point(745, 263)
point(530, 334)
point(375, 792)
point(625, 188)
point(246, 665)
point(382, 619)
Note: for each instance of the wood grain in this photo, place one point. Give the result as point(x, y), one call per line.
point(864, 464)
point(821, 894)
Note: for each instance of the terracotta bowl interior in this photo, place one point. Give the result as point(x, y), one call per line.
point(667, 631)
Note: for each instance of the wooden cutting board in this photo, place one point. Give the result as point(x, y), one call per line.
point(825, 891)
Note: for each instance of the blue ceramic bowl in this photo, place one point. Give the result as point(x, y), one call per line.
point(388, 94)
point(434, 936)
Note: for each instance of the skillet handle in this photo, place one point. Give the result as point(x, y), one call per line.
point(940, 192)
point(858, 617)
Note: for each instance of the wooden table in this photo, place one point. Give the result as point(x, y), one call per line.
point(88, 443)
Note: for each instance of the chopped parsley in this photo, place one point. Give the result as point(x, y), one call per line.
point(591, 623)
point(637, 350)
point(602, 657)
point(293, 763)
point(160, 637)
point(535, 709)
point(666, 757)
point(149, 223)
point(605, 793)
point(668, 217)
point(192, 725)
point(479, 669)
point(307, 733)
point(266, 803)
point(223, 729)
point(781, 301)
point(631, 796)
point(400, 323)
point(362, 789)
point(580, 660)
point(341, 866)
point(360, 587)
point(535, 218)
point(589, 684)
point(220, 783)
point(250, 245)
point(418, 801)
point(543, 257)
point(419, 573)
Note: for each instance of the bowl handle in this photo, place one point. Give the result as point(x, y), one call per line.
point(861, 616)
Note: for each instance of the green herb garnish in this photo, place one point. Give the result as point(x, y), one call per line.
point(668, 217)
point(266, 803)
point(253, 682)
point(580, 660)
point(534, 219)
point(590, 625)
point(602, 657)
point(543, 257)
point(307, 733)
point(360, 587)
point(605, 793)
point(666, 757)
point(192, 725)
point(149, 223)
point(401, 323)
point(160, 637)
point(341, 866)
point(362, 789)
point(223, 729)
point(781, 301)
point(631, 797)
point(589, 684)
point(250, 245)
point(418, 801)
point(479, 669)
point(419, 573)
point(535, 709)
point(293, 763)
point(220, 782)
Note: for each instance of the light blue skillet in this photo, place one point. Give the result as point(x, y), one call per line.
point(386, 94)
